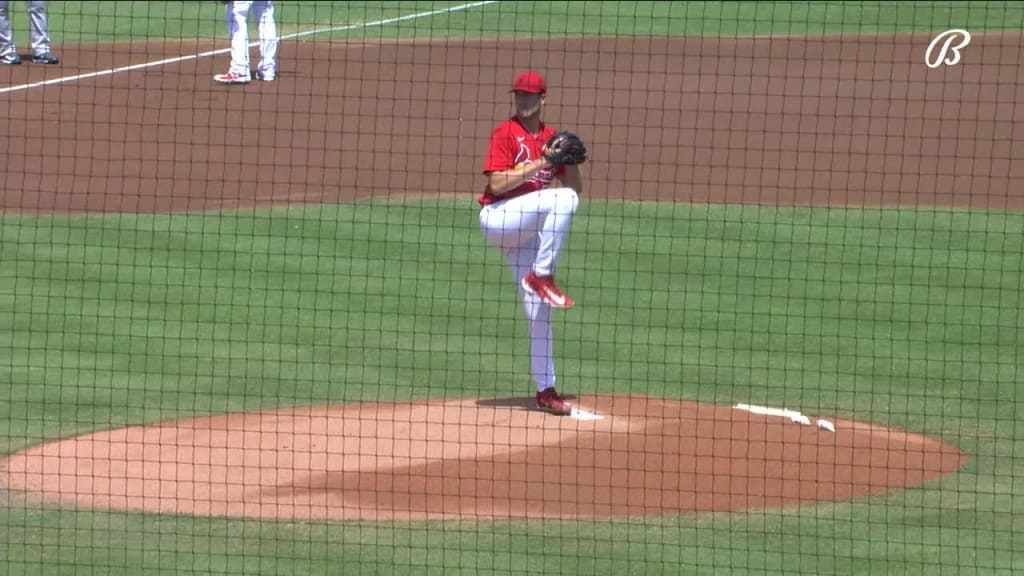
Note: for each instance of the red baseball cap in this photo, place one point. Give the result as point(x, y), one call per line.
point(531, 82)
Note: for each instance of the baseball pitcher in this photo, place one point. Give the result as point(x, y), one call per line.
point(525, 215)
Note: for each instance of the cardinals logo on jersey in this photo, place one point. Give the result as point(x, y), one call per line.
point(523, 158)
point(523, 155)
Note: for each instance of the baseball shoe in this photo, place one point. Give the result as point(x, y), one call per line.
point(264, 76)
point(550, 401)
point(545, 287)
point(45, 58)
point(10, 59)
point(232, 78)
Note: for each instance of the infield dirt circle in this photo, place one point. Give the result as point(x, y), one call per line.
point(843, 121)
point(477, 459)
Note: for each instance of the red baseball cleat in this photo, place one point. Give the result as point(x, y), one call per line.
point(232, 78)
point(545, 287)
point(550, 401)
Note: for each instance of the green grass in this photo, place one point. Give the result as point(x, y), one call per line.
point(139, 21)
point(903, 317)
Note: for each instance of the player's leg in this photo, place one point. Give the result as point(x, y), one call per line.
point(512, 226)
point(557, 207)
point(40, 34)
point(263, 13)
point(538, 318)
point(236, 14)
point(512, 223)
point(542, 340)
point(545, 215)
point(8, 52)
point(238, 29)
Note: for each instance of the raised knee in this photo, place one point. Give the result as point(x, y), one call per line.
point(567, 199)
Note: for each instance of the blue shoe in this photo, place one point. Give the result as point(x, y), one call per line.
point(10, 59)
point(45, 58)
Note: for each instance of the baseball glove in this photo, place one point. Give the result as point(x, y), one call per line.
point(565, 148)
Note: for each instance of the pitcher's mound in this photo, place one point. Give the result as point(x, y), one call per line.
point(476, 459)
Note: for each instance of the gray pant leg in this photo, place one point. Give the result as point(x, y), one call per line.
point(39, 28)
point(6, 38)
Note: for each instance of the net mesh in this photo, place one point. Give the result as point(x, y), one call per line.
point(284, 287)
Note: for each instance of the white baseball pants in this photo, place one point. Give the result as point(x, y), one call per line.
point(530, 230)
point(37, 28)
point(237, 16)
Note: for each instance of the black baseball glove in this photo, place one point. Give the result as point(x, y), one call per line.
point(565, 148)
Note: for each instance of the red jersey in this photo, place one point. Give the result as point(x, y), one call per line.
point(511, 146)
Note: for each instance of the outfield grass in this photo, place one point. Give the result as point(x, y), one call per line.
point(906, 317)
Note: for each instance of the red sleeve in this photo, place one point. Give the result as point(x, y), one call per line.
point(500, 152)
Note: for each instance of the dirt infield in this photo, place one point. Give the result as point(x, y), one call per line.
point(834, 121)
point(480, 459)
point(837, 121)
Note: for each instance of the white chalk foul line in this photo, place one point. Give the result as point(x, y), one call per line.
point(187, 57)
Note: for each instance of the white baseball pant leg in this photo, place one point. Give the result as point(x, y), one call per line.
point(6, 37)
point(38, 27)
point(530, 231)
point(237, 16)
point(263, 13)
